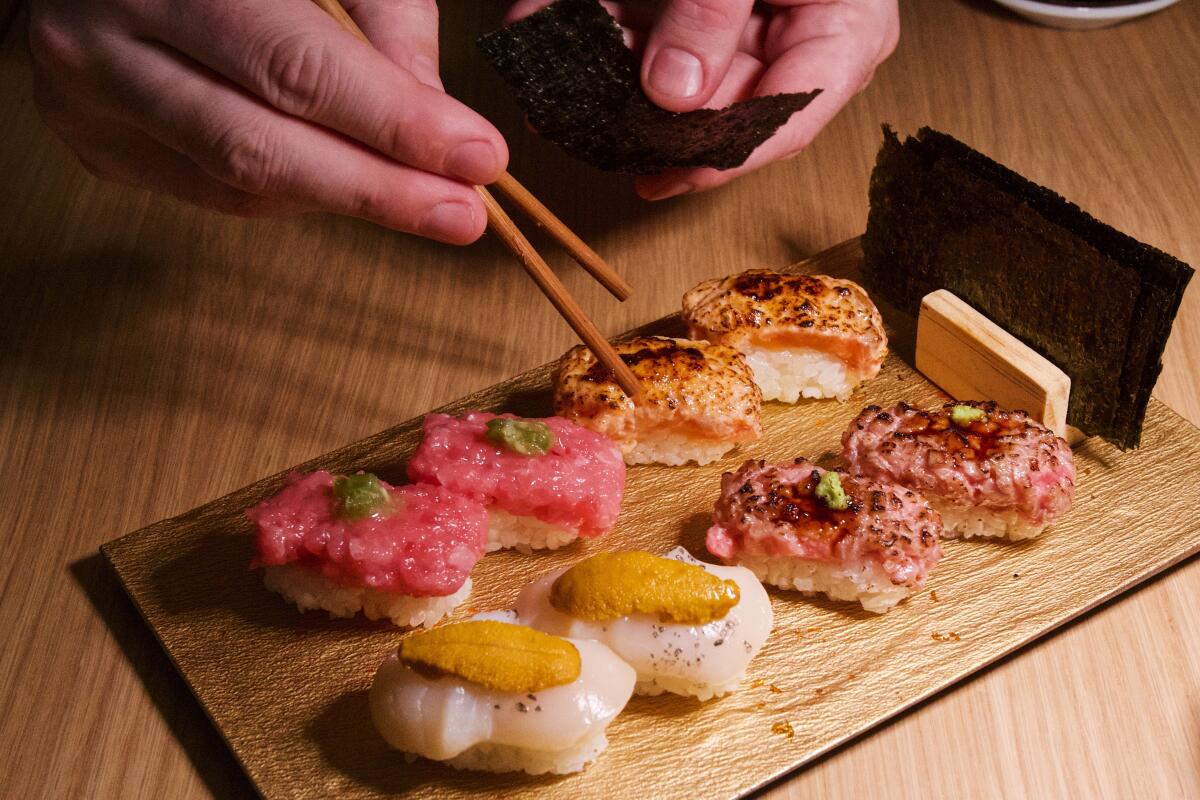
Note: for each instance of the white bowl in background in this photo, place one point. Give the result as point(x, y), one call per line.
point(1083, 17)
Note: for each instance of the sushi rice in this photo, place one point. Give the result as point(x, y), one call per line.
point(525, 533)
point(868, 585)
point(676, 450)
point(311, 590)
point(789, 374)
point(489, 757)
point(971, 521)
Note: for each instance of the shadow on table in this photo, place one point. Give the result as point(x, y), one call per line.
point(210, 756)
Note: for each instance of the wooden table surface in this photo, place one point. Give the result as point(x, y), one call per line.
point(153, 356)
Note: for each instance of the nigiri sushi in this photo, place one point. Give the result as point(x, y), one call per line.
point(545, 482)
point(686, 627)
point(698, 400)
point(797, 526)
point(355, 543)
point(802, 335)
point(990, 472)
point(495, 696)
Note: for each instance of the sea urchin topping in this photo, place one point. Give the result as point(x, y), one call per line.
point(962, 416)
point(360, 496)
point(613, 585)
point(527, 437)
point(830, 492)
point(495, 655)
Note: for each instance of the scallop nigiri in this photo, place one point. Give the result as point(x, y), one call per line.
point(355, 543)
point(990, 472)
point(698, 400)
point(686, 627)
point(500, 697)
point(798, 526)
point(545, 482)
point(802, 335)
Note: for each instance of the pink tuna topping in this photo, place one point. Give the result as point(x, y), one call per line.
point(772, 510)
point(578, 484)
point(425, 547)
point(1002, 462)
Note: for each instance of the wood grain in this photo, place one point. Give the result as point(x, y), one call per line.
point(153, 357)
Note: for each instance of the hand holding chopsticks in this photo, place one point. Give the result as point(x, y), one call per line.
point(534, 264)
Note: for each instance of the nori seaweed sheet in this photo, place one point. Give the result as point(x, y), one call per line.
point(578, 84)
point(1097, 303)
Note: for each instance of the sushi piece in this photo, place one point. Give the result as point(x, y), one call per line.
point(355, 543)
point(797, 526)
point(802, 335)
point(698, 400)
point(990, 472)
point(494, 696)
point(686, 627)
point(545, 482)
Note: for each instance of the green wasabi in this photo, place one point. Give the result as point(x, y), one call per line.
point(520, 436)
point(360, 496)
point(830, 492)
point(962, 416)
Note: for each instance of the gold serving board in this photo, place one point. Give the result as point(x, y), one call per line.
point(288, 690)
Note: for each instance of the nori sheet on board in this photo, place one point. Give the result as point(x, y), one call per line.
point(579, 86)
point(1097, 303)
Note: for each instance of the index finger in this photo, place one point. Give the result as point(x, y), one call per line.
point(303, 63)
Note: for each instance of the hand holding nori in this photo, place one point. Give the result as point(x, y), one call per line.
point(578, 84)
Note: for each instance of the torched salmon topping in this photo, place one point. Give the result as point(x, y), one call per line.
point(693, 387)
point(776, 311)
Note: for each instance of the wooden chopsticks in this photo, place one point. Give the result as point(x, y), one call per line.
point(503, 226)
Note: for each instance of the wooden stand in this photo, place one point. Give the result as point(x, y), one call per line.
point(970, 358)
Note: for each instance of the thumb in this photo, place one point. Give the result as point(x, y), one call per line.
point(689, 50)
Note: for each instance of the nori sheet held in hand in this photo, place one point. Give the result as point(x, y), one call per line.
point(578, 84)
point(1097, 303)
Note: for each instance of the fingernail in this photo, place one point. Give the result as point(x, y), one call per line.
point(670, 190)
point(475, 162)
point(676, 72)
point(450, 222)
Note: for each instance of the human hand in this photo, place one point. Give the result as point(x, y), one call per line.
point(711, 53)
point(268, 107)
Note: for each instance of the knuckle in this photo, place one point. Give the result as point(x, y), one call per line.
point(53, 45)
point(298, 74)
point(370, 203)
point(706, 16)
point(246, 160)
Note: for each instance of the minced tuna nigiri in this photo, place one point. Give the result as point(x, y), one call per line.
point(990, 472)
point(355, 543)
point(545, 482)
point(798, 526)
point(697, 402)
point(802, 335)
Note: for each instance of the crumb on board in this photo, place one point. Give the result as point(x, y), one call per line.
point(783, 729)
point(933, 595)
point(775, 689)
point(945, 637)
point(851, 676)
point(1016, 574)
point(757, 682)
